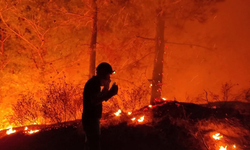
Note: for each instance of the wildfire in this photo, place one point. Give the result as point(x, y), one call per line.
point(118, 112)
point(223, 148)
point(217, 136)
point(10, 131)
point(129, 113)
point(141, 119)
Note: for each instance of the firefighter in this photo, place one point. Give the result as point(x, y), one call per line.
point(93, 97)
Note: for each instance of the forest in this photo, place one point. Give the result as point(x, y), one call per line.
point(165, 53)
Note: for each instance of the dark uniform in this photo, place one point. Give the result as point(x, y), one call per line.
point(92, 103)
point(92, 113)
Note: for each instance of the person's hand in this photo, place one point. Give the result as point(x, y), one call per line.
point(114, 89)
point(106, 84)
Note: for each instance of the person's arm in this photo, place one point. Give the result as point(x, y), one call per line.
point(105, 95)
point(101, 96)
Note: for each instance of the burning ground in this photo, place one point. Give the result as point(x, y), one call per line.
point(166, 125)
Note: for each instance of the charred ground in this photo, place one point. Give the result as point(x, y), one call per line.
point(174, 126)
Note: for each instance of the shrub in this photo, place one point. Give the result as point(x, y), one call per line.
point(63, 102)
point(128, 100)
point(25, 111)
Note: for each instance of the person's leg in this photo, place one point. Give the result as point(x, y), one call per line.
point(92, 132)
point(86, 147)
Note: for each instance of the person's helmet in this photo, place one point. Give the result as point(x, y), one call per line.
point(104, 68)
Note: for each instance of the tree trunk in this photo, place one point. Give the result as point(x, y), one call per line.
point(93, 40)
point(158, 61)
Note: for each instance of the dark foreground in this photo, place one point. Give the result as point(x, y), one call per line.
point(176, 126)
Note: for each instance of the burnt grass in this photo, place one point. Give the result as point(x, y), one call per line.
point(163, 132)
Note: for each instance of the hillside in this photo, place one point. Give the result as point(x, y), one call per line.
point(175, 126)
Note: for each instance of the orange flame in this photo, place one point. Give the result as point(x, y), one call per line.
point(164, 99)
point(133, 119)
point(30, 131)
point(10, 131)
point(223, 148)
point(234, 146)
point(118, 112)
point(33, 131)
point(150, 106)
point(217, 136)
point(129, 113)
point(141, 119)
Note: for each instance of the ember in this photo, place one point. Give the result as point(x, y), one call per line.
point(133, 119)
point(150, 106)
point(129, 113)
point(217, 136)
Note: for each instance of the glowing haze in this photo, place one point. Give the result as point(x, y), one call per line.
point(198, 56)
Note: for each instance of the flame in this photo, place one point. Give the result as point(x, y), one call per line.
point(164, 99)
point(217, 136)
point(1, 129)
point(118, 112)
point(33, 131)
point(30, 131)
point(223, 148)
point(234, 146)
point(133, 119)
point(150, 106)
point(10, 131)
point(141, 119)
point(129, 113)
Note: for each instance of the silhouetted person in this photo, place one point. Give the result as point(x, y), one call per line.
point(93, 97)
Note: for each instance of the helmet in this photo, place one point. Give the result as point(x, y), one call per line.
point(104, 68)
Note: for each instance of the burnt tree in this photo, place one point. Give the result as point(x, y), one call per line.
point(92, 60)
point(158, 61)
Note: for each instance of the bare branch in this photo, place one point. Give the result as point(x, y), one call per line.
point(177, 43)
point(145, 38)
point(206, 96)
point(189, 44)
point(23, 38)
